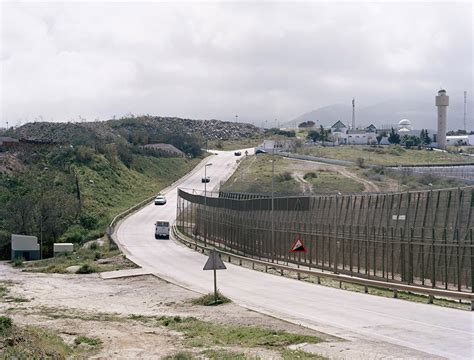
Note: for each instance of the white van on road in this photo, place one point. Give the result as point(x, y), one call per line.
point(162, 229)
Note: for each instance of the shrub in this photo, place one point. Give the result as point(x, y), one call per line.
point(396, 150)
point(74, 234)
point(310, 175)
point(286, 176)
point(87, 340)
point(84, 154)
point(18, 262)
point(208, 300)
point(360, 162)
point(86, 269)
point(5, 324)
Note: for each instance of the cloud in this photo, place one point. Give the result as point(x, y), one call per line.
point(214, 60)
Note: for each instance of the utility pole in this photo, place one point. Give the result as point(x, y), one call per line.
point(273, 205)
point(353, 114)
point(465, 110)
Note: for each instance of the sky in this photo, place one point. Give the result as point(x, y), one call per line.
point(261, 61)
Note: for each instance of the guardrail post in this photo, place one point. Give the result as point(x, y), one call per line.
point(430, 299)
point(366, 289)
point(395, 293)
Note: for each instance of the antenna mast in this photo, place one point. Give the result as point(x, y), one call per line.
point(465, 109)
point(353, 114)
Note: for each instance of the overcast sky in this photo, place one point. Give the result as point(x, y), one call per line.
point(206, 60)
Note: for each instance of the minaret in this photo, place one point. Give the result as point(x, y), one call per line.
point(442, 102)
point(353, 114)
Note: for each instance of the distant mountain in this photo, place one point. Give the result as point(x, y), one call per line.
point(388, 113)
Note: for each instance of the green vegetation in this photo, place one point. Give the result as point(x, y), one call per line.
point(254, 175)
point(182, 355)
point(329, 181)
point(70, 194)
point(385, 155)
point(235, 144)
point(404, 180)
point(31, 342)
point(87, 340)
point(222, 354)
point(209, 299)
point(86, 258)
point(5, 294)
point(288, 354)
point(5, 324)
point(198, 333)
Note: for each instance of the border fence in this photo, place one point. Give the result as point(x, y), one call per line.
point(420, 238)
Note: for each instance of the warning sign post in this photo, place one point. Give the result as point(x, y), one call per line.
point(298, 246)
point(214, 262)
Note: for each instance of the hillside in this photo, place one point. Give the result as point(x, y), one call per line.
point(137, 130)
point(65, 181)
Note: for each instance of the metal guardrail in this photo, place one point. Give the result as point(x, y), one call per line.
point(110, 230)
point(395, 287)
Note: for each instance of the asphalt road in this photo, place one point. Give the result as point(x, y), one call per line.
point(426, 328)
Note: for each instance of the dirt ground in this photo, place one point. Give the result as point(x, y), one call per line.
point(75, 305)
point(304, 166)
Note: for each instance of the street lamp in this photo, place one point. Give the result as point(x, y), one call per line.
point(205, 198)
point(273, 207)
point(236, 116)
point(205, 180)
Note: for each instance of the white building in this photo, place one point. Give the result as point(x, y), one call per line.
point(342, 135)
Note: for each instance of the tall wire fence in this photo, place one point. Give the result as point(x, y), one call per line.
point(421, 237)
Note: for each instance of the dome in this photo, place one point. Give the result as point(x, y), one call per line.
point(404, 122)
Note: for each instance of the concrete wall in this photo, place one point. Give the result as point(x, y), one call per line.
point(25, 243)
point(26, 247)
point(63, 248)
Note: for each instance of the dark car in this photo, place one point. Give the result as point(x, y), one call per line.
point(205, 179)
point(237, 153)
point(260, 151)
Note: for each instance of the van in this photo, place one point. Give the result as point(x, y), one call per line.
point(162, 229)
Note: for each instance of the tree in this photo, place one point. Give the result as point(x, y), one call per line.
point(393, 138)
point(306, 124)
point(411, 140)
point(380, 136)
point(314, 135)
point(424, 137)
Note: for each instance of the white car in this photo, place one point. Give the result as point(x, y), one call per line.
point(160, 200)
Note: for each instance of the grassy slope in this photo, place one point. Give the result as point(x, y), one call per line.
point(332, 182)
point(385, 155)
point(235, 144)
point(254, 175)
point(108, 190)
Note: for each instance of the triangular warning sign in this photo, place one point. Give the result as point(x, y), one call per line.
point(214, 262)
point(298, 246)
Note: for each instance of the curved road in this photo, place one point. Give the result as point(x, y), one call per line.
point(422, 330)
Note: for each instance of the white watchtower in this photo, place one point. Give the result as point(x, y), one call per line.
point(442, 102)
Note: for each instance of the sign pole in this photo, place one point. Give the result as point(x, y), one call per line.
point(215, 286)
